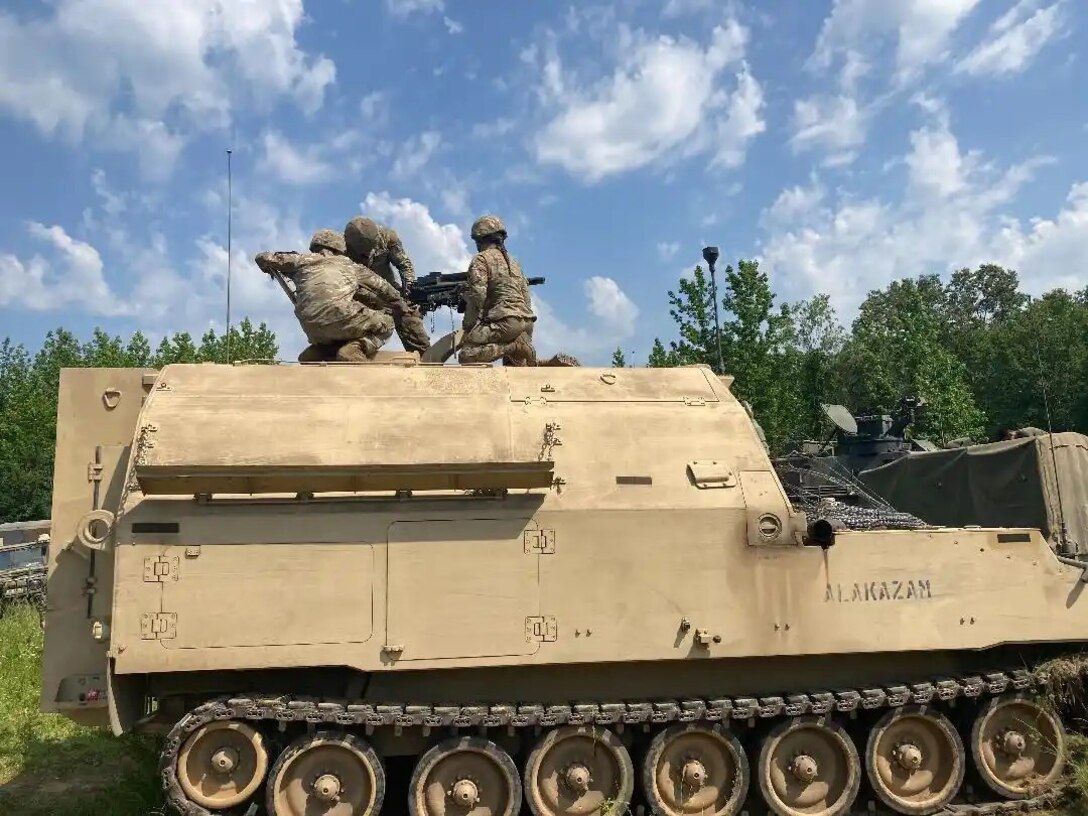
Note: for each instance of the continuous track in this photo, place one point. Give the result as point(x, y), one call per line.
point(287, 713)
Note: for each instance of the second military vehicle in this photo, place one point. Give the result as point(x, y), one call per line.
point(569, 590)
point(23, 551)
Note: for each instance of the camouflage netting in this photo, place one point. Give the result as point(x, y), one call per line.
point(822, 488)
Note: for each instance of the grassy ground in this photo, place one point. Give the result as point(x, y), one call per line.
point(51, 766)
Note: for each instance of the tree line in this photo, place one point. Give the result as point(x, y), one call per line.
point(28, 396)
point(984, 356)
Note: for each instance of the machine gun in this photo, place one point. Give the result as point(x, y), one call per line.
point(437, 289)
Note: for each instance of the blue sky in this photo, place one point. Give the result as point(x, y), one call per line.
point(842, 143)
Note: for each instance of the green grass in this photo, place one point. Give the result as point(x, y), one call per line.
point(49, 766)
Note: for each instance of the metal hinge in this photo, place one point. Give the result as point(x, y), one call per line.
point(541, 542)
point(694, 401)
point(541, 628)
point(159, 625)
point(160, 568)
point(94, 472)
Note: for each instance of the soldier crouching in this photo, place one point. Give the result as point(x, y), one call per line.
point(499, 318)
point(331, 295)
point(379, 248)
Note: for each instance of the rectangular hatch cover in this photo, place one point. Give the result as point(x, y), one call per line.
point(461, 589)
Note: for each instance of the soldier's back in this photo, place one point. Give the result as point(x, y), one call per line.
point(507, 289)
point(325, 287)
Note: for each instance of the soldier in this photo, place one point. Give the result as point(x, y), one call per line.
point(499, 317)
point(342, 307)
point(379, 248)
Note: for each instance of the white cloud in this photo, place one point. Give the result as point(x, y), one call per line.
point(433, 247)
point(415, 154)
point(375, 108)
point(743, 122)
point(291, 165)
point(599, 127)
point(40, 285)
point(666, 251)
point(169, 287)
point(402, 8)
point(616, 311)
point(832, 123)
point(495, 128)
point(951, 214)
point(452, 26)
point(1015, 39)
point(610, 313)
point(921, 30)
point(678, 8)
point(145, 76)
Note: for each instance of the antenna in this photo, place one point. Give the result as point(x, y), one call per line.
point(710, 255)
point(1064, 544)
point(230, 209)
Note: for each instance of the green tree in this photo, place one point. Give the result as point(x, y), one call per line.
point(977, 305)
point(247, 342)
point(28, 397)
point(691, 307)
point(899, 348)
point(816, 341)
point(1040, 357)
point(660, 357)
point(618, 358)
point(754, 341)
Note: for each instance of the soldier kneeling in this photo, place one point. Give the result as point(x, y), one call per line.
point(498, 319)
point(335, 300)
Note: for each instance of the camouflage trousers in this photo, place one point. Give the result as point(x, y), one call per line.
point(510, 338)
point(411, 331)
point(353, 341)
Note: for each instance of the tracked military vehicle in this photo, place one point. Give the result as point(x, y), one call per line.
point(556, 591)
point(23, 551)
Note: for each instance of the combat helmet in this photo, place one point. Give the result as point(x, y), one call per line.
point(361, 235)
point(328, 239)
point(487, 225)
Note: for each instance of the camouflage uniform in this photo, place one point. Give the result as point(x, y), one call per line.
point(336, 300)
point(379, 248)
point(499, 317)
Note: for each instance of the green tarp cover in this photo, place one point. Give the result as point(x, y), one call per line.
point(1001, 484)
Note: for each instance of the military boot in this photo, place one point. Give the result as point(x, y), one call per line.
point(560, 360)
point(316, 353)
point(520, 352)
point(354, 351)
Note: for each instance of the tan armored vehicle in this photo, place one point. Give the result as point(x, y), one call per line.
point(556, 591)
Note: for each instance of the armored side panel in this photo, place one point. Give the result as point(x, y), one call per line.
point(389, 518)
point(96, 419)
point(442, 530)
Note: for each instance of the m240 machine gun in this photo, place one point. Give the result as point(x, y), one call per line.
point(437, 289)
